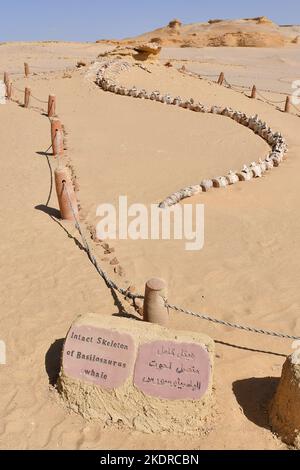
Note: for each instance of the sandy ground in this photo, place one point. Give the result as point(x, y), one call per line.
point(247, 271)
point(271, 69)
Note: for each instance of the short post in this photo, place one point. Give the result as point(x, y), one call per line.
point(9, 90)
point(26, 69)
point(65, 194)
point(6, 78)
point(221, 78)
point(155, 310)
point(57, 143)
point(287, 108)
point(284, 410)
point(27, 97)
point(253, 93)
point(51, 105)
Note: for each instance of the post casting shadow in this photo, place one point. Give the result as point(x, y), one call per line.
point(48, 210)
point(244, 348)
point(254, 396)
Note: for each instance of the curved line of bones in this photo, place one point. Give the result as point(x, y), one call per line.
point(105, 78)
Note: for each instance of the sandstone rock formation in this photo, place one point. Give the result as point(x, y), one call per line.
point(144, 51)
point(249, 32)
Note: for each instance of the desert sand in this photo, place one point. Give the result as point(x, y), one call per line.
point(247, 272)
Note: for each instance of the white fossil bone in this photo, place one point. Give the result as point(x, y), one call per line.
point(237, 116)
point(205, 109)
point(220, 182)
point(245, 174)
point(206, 185)
point(214, 110)
point(256, 170)
point(169, 99)
point(232, 177)
point(269, 163)
point(112, 87)
point(230, 112)
point(142, 94)
point(263, 166)
point(225, 112)
point(177, 101)
point(276, 161)
point(135, 92)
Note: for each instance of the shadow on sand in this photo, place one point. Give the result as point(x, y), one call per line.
point(254, 396)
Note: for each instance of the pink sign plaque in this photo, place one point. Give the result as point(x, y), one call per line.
point(171, 370)
point(102, 357)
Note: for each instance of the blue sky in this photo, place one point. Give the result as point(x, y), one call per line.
point(89, 20)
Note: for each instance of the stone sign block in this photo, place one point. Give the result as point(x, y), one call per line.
point(143, 375)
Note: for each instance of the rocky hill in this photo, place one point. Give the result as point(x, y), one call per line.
point(254, 32)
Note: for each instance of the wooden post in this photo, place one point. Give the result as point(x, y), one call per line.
point(27, 97)
point(9, 90)
point(6, 78)
point(287, 108)
point(221, 78)
point(26, 69)
point(57, 143)
point(154, 310)
point(253, 93)
point(51, 105)
point(65, 194)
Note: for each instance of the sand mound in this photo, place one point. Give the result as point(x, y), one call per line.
point(249, 32)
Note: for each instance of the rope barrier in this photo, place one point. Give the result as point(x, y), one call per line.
point(239, 88)
point(233, 87)
point(110, 283)
point(17, 89)
point(31, 95)
point(38, 99)
point(232, 325)
point(268, 100)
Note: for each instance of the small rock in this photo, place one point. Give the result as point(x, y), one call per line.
point(109, 251)
point(121, 271)
point(81, 63)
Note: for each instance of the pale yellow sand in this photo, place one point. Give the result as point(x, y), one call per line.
point(247, 271)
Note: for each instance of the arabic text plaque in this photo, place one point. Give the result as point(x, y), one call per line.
point(172, 370)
